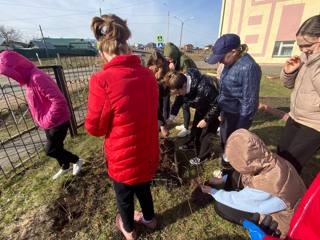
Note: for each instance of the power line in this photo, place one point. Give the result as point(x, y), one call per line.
point(79, 13)
point(39, 6)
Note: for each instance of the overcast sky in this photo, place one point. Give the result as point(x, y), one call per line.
point(146, 18)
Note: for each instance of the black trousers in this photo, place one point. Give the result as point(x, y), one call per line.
point(203, 137)
point(165, 106)
point(164, 103)
point(125, 202)
point(177, 104)
point(298, 143)
point(54, 148)
point(229, 125)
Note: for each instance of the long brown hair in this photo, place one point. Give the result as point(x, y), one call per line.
point(111, 33)
point(174, 80)
point(158, 61)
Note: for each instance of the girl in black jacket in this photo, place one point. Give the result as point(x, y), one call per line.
point(199, 92)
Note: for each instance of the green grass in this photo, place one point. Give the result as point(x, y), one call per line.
point(33, 206)
point(273, 88)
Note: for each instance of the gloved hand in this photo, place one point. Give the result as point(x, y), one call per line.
point(255, 232)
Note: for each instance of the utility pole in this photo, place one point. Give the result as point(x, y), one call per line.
point(44, 41)
point(100, 12)
point(182, 23)
point(168, 26)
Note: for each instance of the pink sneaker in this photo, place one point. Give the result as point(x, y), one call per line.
point(128, 235)
point(138, 217)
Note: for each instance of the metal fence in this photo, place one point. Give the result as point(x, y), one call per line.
point(21, 140)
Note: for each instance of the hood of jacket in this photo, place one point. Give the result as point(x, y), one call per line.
point(266, 171)
point(172, 51)
point(248, 154)
point(16, 66)
point(263, 169)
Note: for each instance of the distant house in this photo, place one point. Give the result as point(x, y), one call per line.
point(188, 47)
point(207, 47)
point(150, 46)
point(51, 47)
point(62, 43)
point(138, 46)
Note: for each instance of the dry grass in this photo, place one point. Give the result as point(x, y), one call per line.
point(83, 207)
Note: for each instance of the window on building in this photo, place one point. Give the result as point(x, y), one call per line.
point(282, 49)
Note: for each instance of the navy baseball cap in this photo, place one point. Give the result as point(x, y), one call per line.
point(223, 45)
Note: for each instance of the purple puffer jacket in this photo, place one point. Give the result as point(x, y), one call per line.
point(48, 106)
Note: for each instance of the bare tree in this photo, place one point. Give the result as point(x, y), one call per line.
point(10, 35)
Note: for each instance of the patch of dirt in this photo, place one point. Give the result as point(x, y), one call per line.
point(80, 198)
point(197, 196)
point(168, 172)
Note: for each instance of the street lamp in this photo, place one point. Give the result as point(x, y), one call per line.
point(182, 23)
point(165, 4)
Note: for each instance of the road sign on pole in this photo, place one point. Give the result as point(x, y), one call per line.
point(159, 41)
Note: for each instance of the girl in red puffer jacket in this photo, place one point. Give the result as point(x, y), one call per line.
point(123, 107)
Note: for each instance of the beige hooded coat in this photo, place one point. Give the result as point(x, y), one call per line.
point(266, 171)
point(305, 97)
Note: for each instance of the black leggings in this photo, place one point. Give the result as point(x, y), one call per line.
point(203, 137)
point(125, 202)
point(54, 147)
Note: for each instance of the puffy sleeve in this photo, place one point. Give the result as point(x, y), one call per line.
point(99, 116)
point(49, 89)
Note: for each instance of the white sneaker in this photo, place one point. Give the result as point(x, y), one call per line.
point(180, 127)
point(60, 173)
point(183, 133)
point(195, 161)
point(77, 167)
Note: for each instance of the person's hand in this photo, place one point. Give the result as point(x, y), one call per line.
point(164, 131)
point(172, 66)
point(292, 64)
point(153, 68)
point(202, 124)
point(158, 74)
point(205, 189)
point(220, 118)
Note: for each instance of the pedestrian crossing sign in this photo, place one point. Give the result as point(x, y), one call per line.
point(159, 41)
point(159, 38)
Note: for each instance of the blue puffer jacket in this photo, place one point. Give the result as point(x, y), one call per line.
point(239, 89)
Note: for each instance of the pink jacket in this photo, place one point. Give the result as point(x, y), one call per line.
point(48, 106)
